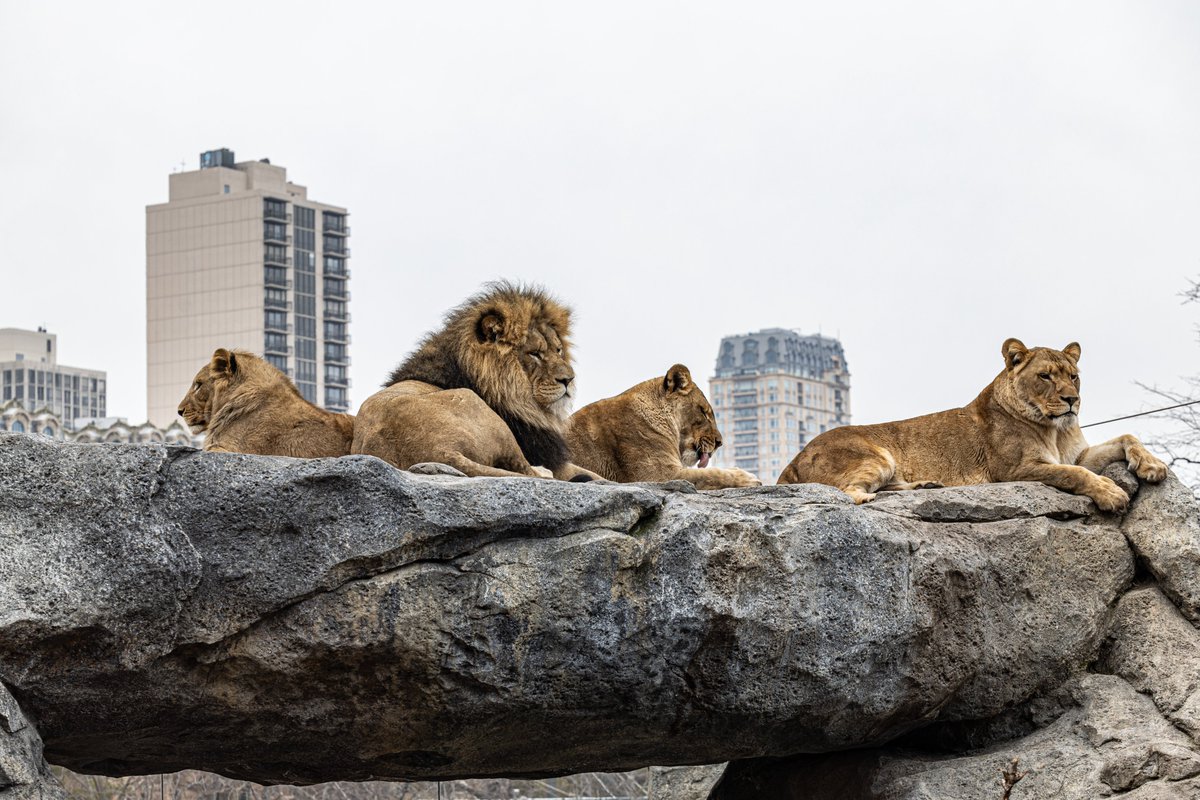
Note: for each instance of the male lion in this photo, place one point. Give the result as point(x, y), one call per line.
point(489, 394)
point(248, 406)
point(662, 429)
point(1022, 427)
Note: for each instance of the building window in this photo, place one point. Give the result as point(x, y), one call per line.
point(335, 397)
point(227, 188)
point(18, 426)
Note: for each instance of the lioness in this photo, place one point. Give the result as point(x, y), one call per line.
point(245, 405)
point(1022, 427)
point(662, 429)
point(490, 393)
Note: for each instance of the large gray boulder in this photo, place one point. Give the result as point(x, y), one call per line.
point(286, 620)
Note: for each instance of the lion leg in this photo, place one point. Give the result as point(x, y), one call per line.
point(473, 469)
point(574, 472)
point(716, 478)
point(912, 485)
point(1125, 448)
point(866, 477)
point(1078, 480)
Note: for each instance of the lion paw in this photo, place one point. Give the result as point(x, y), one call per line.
point(742, 478)
point(859, 496)
point(1109, 497)
point(542, 472)
point(1146, 466)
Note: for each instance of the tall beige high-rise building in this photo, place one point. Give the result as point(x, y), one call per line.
point(240, 257)
point(774, 390)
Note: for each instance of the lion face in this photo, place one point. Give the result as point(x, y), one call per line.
point(204, 396)
point(544, 358)
point(699, 437)
point(539, 351)
point(1043, 383)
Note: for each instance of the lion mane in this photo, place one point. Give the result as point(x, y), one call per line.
point(510, 345)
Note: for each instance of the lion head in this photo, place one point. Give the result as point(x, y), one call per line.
point(699, 437)
point(1041, 384)
point(209, 386)
point(218, 389)
point(510, 345)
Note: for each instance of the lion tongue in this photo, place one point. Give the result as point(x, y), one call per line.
point(703, 462)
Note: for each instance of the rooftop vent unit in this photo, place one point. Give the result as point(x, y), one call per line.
point(217, 158)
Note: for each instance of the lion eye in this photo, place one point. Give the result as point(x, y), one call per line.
point(1044, 376)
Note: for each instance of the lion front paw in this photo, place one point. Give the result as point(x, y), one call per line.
point(741, 478)
point(1108, 496)
point(1146, 466)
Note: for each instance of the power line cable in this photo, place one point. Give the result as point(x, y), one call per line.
point(1141, 414)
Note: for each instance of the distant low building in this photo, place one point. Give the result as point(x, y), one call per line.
point(31, 375)
point(15, 418)
point(773, 391)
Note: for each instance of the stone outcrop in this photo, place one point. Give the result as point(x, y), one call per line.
point(284, 620)
point(23, 772)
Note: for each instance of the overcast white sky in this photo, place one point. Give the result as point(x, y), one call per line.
point(923, 180)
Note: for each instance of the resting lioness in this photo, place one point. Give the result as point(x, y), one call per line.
point(662, 429)
point(490, 393)
point(1022, 427)
point(245, 405)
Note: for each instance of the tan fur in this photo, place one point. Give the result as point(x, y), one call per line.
point(490, 393)
point(657, 431)
point(245, 405)
point(1023, 427)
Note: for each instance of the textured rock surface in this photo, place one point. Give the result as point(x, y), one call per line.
point(1127, 724)
point(1109, 740)
point(295, 621)
point(24, 774)
point(683, 783)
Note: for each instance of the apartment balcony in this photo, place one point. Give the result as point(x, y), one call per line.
point(341, 272)
point(340, 249)
point(276, 215)
point(342, 295)
point(277, 282)
point(343, 230)
point(275, 238)
point(277, 260)
point(337, 316)
point(276, 303)
point(338, 338)
point(284, 327)
point(284, 350)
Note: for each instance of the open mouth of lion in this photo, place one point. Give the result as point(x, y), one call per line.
point(702, 458)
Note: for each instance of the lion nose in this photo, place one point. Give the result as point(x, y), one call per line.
point(717, 446)
point(1070, 400)
point(180, 411)
point(566, 382)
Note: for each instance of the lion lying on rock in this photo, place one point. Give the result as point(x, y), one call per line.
point(1023, 427)
point(660, 430)
point(489, 394)
point(245, 405)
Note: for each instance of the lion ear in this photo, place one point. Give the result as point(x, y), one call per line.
point(224, 362)
point(678, 379)
point(1072, 351)
point(1014, 352)
point(490, 326)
